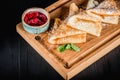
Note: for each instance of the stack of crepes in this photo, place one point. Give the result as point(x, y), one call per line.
point(80, 22)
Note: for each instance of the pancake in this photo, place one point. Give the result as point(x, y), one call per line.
point(107, 10)
point(85, 22)
point(65, 34)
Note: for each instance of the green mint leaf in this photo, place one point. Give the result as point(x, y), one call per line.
point(61, 48)
point(68, 46)
point(75, 48)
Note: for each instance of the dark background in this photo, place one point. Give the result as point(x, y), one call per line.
point(19, 61)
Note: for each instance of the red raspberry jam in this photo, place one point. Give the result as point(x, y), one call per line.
point(35, 18)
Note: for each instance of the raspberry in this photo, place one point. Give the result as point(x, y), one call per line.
point(35, 18)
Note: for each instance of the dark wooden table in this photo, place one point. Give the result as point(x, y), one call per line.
point(18, 60)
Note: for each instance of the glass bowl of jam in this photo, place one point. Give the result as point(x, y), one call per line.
point(35, 20)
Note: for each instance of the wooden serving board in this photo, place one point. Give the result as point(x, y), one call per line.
point(68, 58)
point(69, 62)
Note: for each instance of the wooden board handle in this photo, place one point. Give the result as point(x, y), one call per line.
point(56, 5)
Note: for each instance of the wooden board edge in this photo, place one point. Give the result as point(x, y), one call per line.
point(93, 57)
point(55, 5)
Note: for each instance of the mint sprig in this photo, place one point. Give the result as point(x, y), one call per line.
point(61, 48)
point(69, 46)
point(75, 48)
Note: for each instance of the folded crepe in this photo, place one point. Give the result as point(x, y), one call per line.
point(73, 9)
point(107, 10)
point(57, 23)
point(65, 34)
point(111, 19)
point(85, 22)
